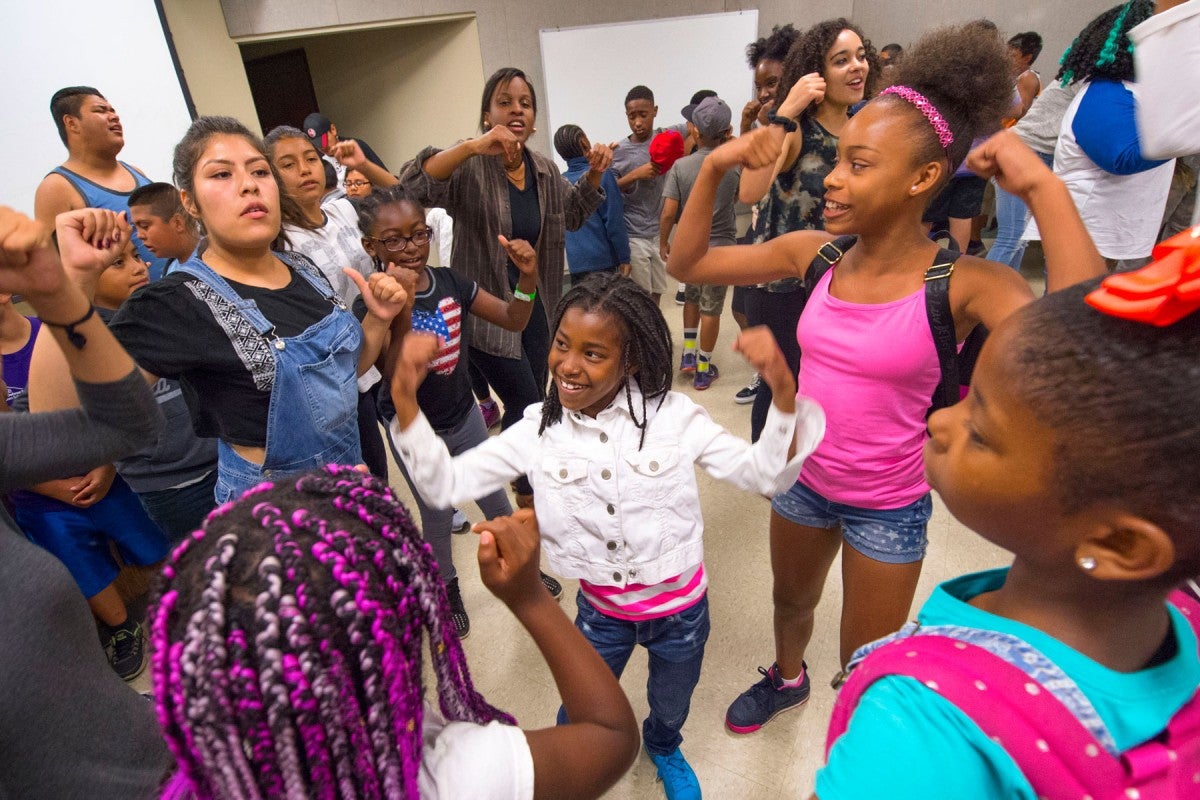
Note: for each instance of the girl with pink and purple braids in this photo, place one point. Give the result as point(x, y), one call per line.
point(288, 647)
point(869, 354)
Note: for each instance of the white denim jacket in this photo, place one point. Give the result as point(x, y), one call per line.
point(609, 512)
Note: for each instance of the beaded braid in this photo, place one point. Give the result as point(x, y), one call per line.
point(288, 643)
point(646, 345)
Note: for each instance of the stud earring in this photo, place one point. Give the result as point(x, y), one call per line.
point(1087, 563)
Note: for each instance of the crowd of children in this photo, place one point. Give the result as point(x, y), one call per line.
point(214, 366)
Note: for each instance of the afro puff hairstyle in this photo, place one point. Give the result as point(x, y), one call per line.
point(964, 71)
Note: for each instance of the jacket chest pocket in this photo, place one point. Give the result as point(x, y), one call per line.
point(565, 475)
point(656, 475)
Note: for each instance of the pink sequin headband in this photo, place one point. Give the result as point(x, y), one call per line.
point(940, 126)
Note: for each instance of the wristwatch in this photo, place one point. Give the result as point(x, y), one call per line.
point(787, 123)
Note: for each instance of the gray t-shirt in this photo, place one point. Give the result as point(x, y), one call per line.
point(1040, 126)
point(679, 184)
point(643, 199)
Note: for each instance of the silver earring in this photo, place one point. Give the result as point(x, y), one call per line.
point(1087, 563)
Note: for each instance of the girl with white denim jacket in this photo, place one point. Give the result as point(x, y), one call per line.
point(611, 457)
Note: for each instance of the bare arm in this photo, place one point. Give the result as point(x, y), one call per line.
point(29, 266)
point(807, 90)
point(585, 757)
point(385, 299)
point(1028, 86)
point(646, 172)
point(54, 195)
point(666, 221)
point(1071, 256)
point(350, 154)
point(514, 314)
point(691, 258)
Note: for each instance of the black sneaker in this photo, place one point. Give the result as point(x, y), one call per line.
point(748, 392)
point(458, 613)
point(680, 296)
point(552, 586)
point(128, 654)
point(759, 704)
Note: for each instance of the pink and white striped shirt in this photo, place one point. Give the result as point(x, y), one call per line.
point(635, 602)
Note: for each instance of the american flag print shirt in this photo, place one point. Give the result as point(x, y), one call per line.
point(446, 324)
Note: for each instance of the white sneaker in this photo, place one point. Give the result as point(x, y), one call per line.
point(459, 523)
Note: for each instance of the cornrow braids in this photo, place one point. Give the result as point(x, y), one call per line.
point(647, 341)
point(1103, 48)
point(288, 639)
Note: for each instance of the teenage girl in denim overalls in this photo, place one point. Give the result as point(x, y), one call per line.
point(310, 375)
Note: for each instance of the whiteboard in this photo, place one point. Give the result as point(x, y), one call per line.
point(589, 69)
point(117, 46)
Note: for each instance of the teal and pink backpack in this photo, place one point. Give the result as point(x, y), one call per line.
point(1026, 704)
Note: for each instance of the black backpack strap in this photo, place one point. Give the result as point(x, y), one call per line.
point(829, 254)
point(941, 325)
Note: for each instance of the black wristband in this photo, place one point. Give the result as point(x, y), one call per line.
point(77, 339)
point(787, 123)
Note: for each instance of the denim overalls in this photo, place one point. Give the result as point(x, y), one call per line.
point(313, 415)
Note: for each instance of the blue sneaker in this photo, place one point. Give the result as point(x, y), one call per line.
point(688, 362)
point(759, 704)
point(678, 779)
point(705, 379)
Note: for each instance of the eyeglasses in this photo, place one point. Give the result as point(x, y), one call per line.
point(397, 243)
point(357, 184)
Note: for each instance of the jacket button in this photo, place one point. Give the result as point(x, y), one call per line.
point(611, 509)
point(603, 438)
point(617, 577)
point(654, 466)
point(612, 545)
point(605, 474)
point(562, 473)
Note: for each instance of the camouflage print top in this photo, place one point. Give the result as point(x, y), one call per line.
point(795, 199)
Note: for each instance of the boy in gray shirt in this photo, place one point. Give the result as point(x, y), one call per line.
point(641, 188)
point(709, 121)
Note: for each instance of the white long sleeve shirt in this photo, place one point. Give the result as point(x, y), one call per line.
point(610, 513)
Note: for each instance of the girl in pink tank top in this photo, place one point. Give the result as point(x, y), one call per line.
point(867, 353)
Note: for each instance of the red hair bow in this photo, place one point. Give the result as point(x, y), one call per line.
point(1161, 293)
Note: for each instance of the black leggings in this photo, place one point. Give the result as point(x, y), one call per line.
point(780, 312)
point(519, 382)
point(373, 451)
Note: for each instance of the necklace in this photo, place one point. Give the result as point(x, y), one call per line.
point(516, 175)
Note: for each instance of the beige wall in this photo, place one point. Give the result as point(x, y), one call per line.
point(1058, 24)
point(508, 29)
point(212, 65)
point(398, 88)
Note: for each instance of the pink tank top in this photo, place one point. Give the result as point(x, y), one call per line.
point(873, 368)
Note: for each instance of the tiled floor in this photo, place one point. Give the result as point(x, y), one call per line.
point(776, 762)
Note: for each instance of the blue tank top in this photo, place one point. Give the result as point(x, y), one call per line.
point(96, 196)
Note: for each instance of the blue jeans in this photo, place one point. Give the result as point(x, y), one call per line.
point(1011, 218)
point(180, 511)
point(676, 647)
